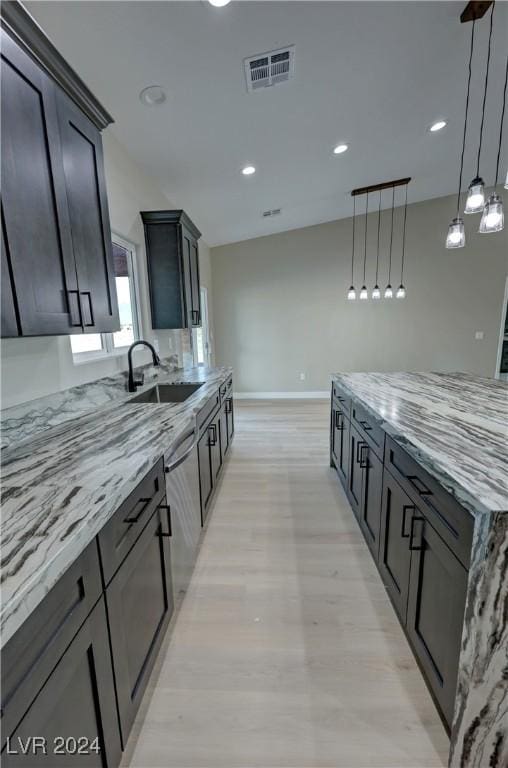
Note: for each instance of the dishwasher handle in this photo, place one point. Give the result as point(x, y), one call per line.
point(176, 462)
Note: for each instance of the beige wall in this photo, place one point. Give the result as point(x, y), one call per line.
point(280, 303)
point(34, 367)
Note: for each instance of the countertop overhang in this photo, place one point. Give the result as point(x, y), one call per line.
point(454, 425)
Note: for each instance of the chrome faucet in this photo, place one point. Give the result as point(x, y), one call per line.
point(135, 383)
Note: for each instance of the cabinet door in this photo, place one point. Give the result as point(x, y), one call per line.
point(224, 430)
point(88, 210)
point(216, 440)
point(355, 471)
point(435, 614)
point(77, 701)
point(372, 487)
point(140, 604)
point(230, 418)
point(394, 553)
point(34, 200)
point(340, 443)
point(9, 325)
point(205, 472)
point(194, 283)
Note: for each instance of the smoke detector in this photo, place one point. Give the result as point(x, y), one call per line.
point(267, 69)
point(273, 212)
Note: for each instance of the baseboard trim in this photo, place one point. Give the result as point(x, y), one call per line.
point(281, 395)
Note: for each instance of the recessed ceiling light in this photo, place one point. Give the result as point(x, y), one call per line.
point(219, 3)
point(437, 126)
point(339, 149)
point(153, 95)
point(248, 170)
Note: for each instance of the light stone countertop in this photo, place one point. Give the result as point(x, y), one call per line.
point(61, 487)
point(454, 425)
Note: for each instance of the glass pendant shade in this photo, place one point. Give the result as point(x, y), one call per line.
point(364, 293)
point(388, 292)
point(351, 294)
point(456, 237)
point(401, 292)
point(493, 215)
point(376, 293)
point(475, 196)
point(506, 181)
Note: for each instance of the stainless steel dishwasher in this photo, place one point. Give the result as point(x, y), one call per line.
point(182, 492)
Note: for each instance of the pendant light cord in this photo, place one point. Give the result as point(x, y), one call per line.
point(378, 230)
point(501, 126)
point(391, 239)
point(465, 117)
point(365, 251)
point(403, 241)
point(485, 91)
point(353, 251)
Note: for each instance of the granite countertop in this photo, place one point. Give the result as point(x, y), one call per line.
point(454, 425)
point(60, 487)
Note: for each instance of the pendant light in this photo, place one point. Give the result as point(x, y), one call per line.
point(376, 293)
point(364, 295)
point(351, 294)
point(456, 237)
point(401, 291)
point(388, 289)
point(476, 193)
point(493, 215)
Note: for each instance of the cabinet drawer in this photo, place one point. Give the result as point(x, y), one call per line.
point(207, 410)
point(368, 428)
point(121, 532)
point(448, 517)
point(225, 389)
point(342, 399)
point(31, 654)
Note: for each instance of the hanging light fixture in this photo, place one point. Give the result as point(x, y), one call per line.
point(493, 215)
point(476, 193)
point(364, 295)
point(401, 291)
point(376, 293)
point(456, 237)
point(351, 294)
point(388, 289)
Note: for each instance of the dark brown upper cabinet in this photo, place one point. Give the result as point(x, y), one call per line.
point(173, 269)
point(56, 241)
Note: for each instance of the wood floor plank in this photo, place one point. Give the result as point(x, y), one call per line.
point(286, 652)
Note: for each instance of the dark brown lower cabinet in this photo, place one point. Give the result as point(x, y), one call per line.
point(435, 612)
point(230, 413)
point(205, 473)
point(224, 431)
point(139, 600)
point(354, 478)
point(370, 506)
point(340, 441)
point(210, 461)
point(74, 714)
point(394, 553)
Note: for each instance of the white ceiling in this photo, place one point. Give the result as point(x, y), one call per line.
point(372, 74)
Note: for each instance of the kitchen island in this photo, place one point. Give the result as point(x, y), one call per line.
point(423, 459)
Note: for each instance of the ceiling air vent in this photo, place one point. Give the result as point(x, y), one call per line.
point(273, 212)
point(271, 68)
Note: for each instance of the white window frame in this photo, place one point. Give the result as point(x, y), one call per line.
point(108, 350)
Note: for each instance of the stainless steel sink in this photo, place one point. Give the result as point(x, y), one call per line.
point(166, 393)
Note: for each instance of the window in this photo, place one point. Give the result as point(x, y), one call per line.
point(91, 346)
point(201, 336)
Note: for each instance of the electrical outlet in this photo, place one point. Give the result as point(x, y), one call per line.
point(302, 377)
point(479, 335)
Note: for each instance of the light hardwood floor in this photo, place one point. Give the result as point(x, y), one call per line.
point(286, 651)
